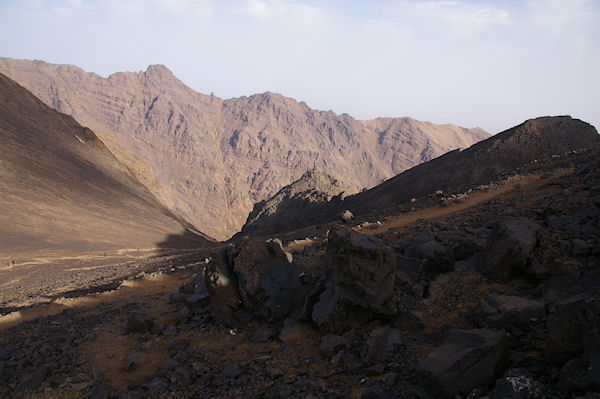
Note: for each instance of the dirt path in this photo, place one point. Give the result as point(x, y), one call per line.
point(517, 185)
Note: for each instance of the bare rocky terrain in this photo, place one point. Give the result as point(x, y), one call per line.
point(482, 290)
point(68, 205)
point(209, 160)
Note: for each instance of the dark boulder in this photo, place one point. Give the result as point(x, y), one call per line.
point(466, 360)
point(510, 245)
point(361, 283)
point(268, 283)
point(253, 279)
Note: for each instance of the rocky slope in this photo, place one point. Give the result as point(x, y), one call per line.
point(497, 298)
point(209, 160)
point(500, 154)
point(455, 171)
point(64, 195)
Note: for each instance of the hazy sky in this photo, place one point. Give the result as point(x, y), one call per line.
point(482, 63)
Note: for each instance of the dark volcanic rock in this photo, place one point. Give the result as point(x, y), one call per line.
point(267, 281)
point(511, 243)
point(361, 283)
point(467, 359)
point(253, 279)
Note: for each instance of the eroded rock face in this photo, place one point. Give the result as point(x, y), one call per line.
point(466, 360)
point(362, 280)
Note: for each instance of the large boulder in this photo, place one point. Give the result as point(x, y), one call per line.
point(255, 278)
point(268, 282)
point(466, 360)
point(361, 283)
point(510, 245)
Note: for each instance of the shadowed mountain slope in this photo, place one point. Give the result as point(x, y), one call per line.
point(210, 160)
point(63, 192)
point(503, 153)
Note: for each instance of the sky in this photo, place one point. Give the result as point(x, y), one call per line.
point(474, 63)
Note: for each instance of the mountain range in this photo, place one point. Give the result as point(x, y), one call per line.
point(209, 160)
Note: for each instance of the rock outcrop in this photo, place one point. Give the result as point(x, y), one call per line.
point(309, 200)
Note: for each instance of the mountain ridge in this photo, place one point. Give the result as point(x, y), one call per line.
point(209, 160)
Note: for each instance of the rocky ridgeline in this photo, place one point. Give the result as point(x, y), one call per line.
point(210, 160)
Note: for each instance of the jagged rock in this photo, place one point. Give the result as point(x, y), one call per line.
point(568, 322)
point(511, 243)
point(267, 282)
point(331, 344)
point(381, 344)
point(517, 384)
point(361, 284)
point(467, 359)
point(347, 216)
point(511, 313)
point(139, 323)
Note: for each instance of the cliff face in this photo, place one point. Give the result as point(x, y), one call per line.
point(209, 160)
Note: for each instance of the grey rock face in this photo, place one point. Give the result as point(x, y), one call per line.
point(362, 280)
point(466, 360)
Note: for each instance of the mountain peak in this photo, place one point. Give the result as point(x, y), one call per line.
point(159, 72)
